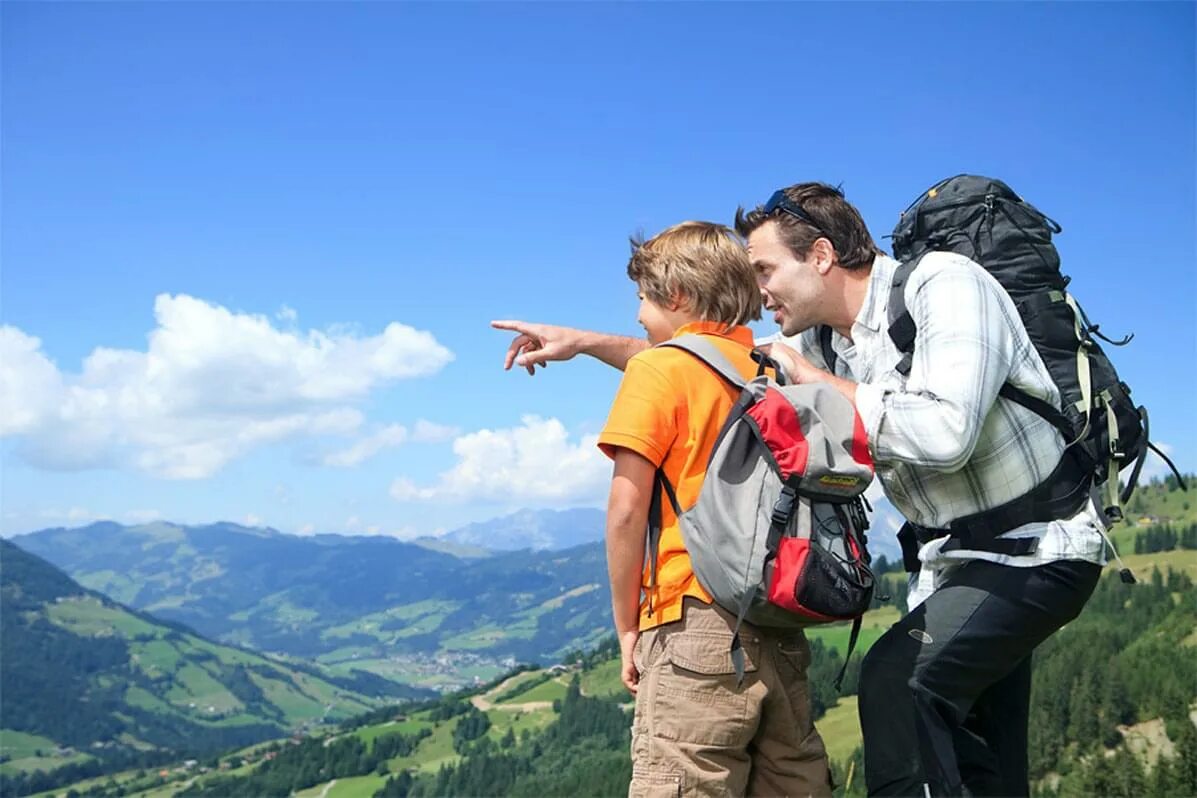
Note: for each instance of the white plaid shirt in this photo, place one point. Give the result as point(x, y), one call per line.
point(944, 444)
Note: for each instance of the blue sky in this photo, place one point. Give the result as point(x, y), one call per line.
point(250, 252)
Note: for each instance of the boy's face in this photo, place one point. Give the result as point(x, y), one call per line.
point(659, 322)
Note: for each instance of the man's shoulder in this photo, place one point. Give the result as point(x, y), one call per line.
point(954, 270)
point(934, 264)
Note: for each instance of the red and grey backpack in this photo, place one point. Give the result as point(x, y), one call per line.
point(777, 535)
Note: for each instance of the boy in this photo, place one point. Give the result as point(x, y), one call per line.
point(696, 732)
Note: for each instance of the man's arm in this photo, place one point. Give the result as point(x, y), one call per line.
point(627, 519)
point(537, 344)
point(963, 353)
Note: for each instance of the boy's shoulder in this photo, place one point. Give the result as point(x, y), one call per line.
point(673, 362)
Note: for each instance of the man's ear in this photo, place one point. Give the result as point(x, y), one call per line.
point(822, 255)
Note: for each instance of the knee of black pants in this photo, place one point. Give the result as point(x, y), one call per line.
point(884, 676)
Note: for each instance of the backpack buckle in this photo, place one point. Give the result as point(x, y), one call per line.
point(783, 508)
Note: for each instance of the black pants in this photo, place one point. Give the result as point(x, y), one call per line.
point(945, 693)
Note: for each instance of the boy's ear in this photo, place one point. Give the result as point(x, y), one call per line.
point(679, 302)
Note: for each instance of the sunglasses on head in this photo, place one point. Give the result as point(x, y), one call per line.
point(780, 202)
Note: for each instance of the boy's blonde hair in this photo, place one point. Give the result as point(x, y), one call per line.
point(702, 264)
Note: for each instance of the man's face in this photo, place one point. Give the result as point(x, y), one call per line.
point(790, 288)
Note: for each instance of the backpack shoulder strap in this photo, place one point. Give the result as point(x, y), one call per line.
point(708, 353)
point(825, 348)
point(902, 328)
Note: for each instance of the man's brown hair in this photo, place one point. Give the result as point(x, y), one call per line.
point(702, 264)
point(834, 219)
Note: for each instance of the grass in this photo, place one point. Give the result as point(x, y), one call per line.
point(86, 616)
point(603, 680)
point(420, 617)
point(45, 763)
point(840, 729)
point(1178, 560)
point(511, 686)
point(357, 787)
point(474, 639)
point(287, 697)
point(352, 787)
point(118, 587)
point(311, 792)
point(502, 720)
point(157, 655)
point(560, 600)
point(547, 691)
point(139, 697)
point(433, 752)
point(193, 684)
point(19, 745)
point(408, 727)
point(874, 624)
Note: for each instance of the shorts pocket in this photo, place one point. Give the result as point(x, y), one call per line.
point(697, 699)
point(655, 784)
point(794, 658)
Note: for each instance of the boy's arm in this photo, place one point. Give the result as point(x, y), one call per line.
point(537, 344)
point(627, 519)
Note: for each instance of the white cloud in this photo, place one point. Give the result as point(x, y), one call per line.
point(307, 529)
point(251, 520)
point(367, 447)
point(535, 463)
point(211, 385)
point(142, 516)
point(428, 432)
point(72, 515)
point(287, 314)
point(388, 437)
point(404, 533)
point(29, 382)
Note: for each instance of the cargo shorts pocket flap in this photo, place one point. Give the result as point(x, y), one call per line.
point(711, 654)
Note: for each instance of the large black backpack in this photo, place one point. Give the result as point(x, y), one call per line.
point(983, 219)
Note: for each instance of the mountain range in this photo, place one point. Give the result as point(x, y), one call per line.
point(97, 680)
point(398, 609)
point(438, 613)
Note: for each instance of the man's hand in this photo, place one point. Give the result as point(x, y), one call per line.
point(537, 344)
point(627, 670)
point(800, 370)
point(797, 368)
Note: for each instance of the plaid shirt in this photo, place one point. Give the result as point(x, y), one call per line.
point(944, 443)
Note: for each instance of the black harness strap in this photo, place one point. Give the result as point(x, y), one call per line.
point(1061, 495)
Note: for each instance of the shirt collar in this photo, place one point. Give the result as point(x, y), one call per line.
point(875, 309)
point(738, 333)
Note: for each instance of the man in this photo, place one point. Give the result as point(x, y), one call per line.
point(944, 694)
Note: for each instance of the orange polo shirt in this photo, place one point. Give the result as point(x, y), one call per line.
point(669, 409)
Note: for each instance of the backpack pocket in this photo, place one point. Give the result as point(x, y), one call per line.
point(820, 570)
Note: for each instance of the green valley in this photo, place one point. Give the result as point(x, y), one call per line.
point(89, 685)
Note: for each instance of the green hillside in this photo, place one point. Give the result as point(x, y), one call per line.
point(411, 614)
point(89, 685)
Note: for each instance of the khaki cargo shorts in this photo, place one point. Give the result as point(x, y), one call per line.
point(696, 733)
